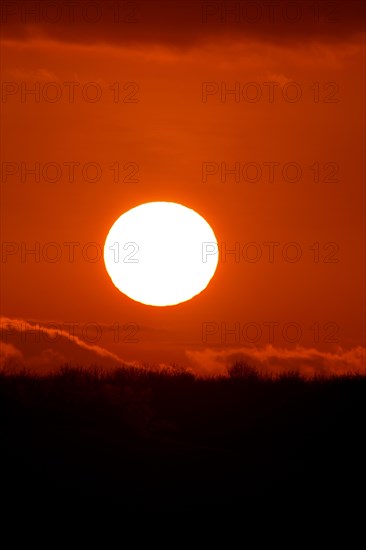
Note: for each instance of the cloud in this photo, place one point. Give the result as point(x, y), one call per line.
point(30, 345)
point(9, 354)
point(182, 23)
point(41, 349)
point(271, 360)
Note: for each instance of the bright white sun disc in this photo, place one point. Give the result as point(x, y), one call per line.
point(161, 253)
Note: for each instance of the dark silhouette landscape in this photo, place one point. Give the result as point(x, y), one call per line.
point(137, 433)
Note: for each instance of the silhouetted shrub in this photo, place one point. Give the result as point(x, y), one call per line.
point(242, 370)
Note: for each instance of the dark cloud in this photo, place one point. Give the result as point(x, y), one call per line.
point(182, 23)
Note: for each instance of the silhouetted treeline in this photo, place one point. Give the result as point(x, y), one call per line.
point(140, 433)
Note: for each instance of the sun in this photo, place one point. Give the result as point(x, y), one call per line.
point(161, 253)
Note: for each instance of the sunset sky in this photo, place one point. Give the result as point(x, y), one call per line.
point(135, 102)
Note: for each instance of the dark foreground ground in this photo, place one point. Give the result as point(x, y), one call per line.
point(146, 435)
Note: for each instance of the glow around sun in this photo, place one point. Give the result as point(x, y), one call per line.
point(161, 253)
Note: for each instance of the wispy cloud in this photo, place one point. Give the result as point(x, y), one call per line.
point(273, 360)
point(30, 345)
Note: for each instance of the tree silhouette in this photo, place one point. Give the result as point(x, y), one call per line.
point(243, 370)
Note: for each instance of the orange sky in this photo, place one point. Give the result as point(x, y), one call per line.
point(167, 53)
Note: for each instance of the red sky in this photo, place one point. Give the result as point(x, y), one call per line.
point(167, 131)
